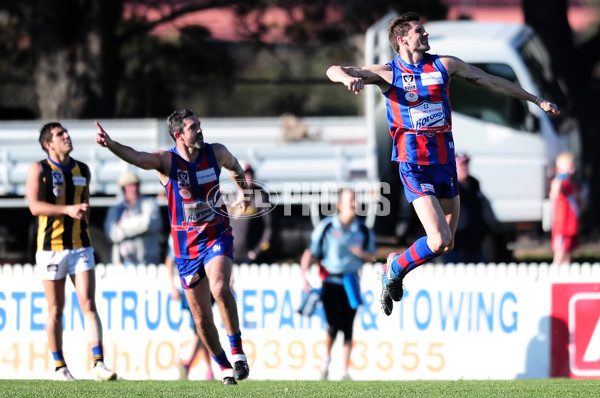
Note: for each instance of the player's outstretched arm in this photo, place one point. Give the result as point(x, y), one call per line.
point(458, 68)
point(144, 160)
point(355, 78)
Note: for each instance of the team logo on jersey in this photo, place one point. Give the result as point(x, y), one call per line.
point(58, 191)
point(183, 179)
point(411, 96)
point(408, 82)
point(216, 248)
point(57, 178)
point(186, 194)
point(57, 183)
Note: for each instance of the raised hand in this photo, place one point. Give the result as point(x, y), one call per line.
point(102, 137)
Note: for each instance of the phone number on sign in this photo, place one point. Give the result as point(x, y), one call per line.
point(385, 356)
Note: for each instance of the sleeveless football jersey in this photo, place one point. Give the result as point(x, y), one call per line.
point(196, 211)
point(63, 186)
point(418, 112)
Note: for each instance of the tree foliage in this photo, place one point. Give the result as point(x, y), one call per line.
point(98, 58)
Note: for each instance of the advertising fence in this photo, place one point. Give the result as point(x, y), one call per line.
point(484, 321)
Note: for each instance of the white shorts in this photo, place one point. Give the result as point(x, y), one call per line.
point(56, 265)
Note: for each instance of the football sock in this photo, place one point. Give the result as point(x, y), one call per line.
point(59, 359)
point(98, 353)
point(222, 360)
point(235, 341)
point(412, 257)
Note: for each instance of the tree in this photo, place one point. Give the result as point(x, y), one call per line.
point(80, 51)
point(76, 46)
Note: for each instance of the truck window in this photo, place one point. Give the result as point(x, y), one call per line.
point(474, 101)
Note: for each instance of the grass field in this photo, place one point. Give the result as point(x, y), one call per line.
point(371, 389)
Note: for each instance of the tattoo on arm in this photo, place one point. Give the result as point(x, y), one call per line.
point(473, 80)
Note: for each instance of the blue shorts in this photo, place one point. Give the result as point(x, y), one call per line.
point(437, 180)
point(191, 271)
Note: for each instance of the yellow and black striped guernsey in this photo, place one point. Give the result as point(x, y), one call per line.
point(63, 186)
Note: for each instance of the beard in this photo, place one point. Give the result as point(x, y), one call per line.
point(197, 145)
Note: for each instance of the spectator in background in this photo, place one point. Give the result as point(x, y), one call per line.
point(252, 229)
point(476, 220)
point(198, 348)
point(58, 192)
point(134, 225)
point(342, 243)
point(565, 195)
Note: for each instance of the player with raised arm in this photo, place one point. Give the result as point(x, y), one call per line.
point(416, 87)
point(202, 238)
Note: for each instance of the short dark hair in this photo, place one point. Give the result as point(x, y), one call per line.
point(400, 26)
point(46, 133)
point(175, 121)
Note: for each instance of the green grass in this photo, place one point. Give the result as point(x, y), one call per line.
point(347, 389)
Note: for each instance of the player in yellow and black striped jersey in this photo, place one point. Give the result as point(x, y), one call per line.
point(57, 189)
point(64, 186)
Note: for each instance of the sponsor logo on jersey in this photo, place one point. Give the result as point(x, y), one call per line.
point(205, 176)
point(79, 181)
point(427, 79)
point(426, 115)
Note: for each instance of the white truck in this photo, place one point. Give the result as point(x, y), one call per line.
point(512, 143)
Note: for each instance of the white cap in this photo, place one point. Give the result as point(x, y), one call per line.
point(128, 178)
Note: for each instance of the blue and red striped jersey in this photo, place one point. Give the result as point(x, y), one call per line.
point(196, 210)
point(418, 112)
